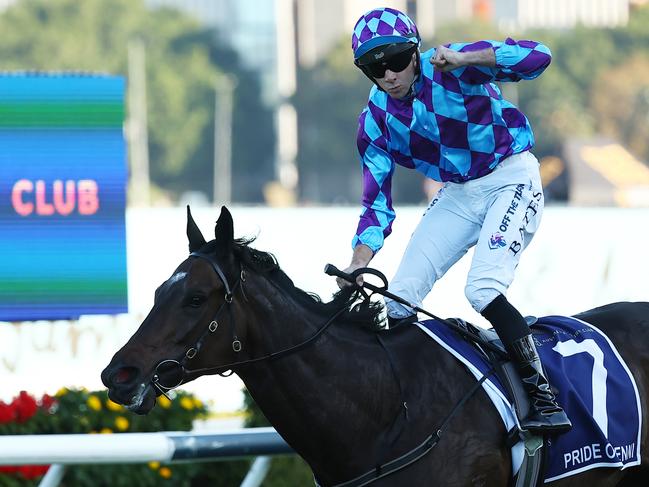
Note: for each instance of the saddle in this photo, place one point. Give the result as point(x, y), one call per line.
point(529, 474)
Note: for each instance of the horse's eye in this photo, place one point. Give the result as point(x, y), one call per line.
point(195, 301)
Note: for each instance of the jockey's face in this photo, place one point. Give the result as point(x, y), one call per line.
point(397, 84)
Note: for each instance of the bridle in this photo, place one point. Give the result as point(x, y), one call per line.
point(181, 365)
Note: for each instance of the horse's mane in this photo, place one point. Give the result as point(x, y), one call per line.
point(363, 313)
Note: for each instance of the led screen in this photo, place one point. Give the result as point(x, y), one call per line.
point(62, 196)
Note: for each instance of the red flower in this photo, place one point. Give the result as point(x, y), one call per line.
point(47, 402)
point(25, 406)
point(33, 471)
point(28, 472)
point(7, 413)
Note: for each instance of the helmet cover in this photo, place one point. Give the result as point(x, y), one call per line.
point(380, 27)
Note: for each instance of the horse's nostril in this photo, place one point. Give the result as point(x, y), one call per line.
point(124, 375)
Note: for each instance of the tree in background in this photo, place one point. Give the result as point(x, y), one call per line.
point(595, 85)
point(252, 125)
point(556, 103)
point(328, 100)
point(619, 97)
point(620, 105)
point(182, 63)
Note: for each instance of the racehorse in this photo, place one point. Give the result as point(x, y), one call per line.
point(346, 394)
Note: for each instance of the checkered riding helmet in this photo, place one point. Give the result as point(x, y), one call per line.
point(380, 27)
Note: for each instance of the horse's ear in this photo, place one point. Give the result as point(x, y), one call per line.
point(224, 230)
point(196, 240)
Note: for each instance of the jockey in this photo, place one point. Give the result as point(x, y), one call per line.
point(440, 113)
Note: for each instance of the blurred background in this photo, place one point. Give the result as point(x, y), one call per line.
point(254, 104)
point(264, 94)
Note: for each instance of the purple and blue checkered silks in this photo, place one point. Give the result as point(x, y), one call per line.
point(382, 26)
point(455, 127)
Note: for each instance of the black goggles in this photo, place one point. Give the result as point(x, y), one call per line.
point(395, 63)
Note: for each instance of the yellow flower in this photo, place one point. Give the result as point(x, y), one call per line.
point(164, 402)
point(165, 472)
point(94, 403)
point(187, 403)
point(113, 406)
point(197, 403)
point(61, 392)
point(121, 423)
point(105, 431)
point(154, 465)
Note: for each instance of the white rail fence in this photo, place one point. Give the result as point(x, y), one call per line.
point(62, 450)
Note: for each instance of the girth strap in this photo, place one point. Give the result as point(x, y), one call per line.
point(416, 453)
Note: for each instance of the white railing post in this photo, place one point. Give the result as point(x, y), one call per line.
point(53, 476)
point(257, 473)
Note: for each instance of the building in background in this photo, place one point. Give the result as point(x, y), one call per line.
point(322, 23)
point(601, 172)
point(525, 14)
point(6, 3)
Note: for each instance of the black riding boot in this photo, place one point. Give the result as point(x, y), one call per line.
point(545, 415)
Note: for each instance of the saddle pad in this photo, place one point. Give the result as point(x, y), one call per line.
point(593, 385)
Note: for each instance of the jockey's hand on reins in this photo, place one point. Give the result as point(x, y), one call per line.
point(352, 277)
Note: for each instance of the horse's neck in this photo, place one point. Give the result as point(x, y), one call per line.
point(339, 387)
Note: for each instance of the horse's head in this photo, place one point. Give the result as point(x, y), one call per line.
point(192, 307)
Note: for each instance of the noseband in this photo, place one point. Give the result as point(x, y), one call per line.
point(180, 365)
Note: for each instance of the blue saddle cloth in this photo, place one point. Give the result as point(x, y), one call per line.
point(593, 384)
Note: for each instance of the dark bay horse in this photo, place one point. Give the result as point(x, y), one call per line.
point(324, 380)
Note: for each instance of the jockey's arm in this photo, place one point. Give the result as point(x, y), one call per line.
point(487, 61)
point(446, 59)
point(360, 258)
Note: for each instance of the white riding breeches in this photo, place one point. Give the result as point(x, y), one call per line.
point(498, 213)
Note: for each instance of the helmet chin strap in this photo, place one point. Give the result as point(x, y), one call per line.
point(415, 77)
point(412, 86)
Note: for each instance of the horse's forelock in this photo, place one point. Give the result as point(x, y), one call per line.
point(258, 260)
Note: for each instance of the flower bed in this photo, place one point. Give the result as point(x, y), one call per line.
point(82, 411)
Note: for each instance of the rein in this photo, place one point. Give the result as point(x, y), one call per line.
point(332, 270)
